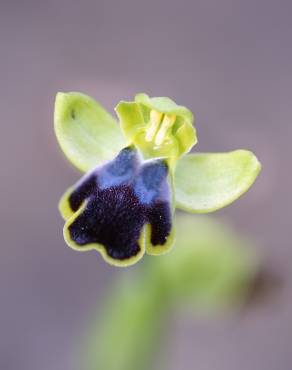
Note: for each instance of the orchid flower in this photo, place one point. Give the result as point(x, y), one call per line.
point(137, 172)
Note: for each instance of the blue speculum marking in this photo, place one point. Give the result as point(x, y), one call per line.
point(121, 197)
point(119, 171)
point(149, 182)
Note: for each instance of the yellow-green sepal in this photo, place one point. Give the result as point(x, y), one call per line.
point(87, 134)
point(206, 182)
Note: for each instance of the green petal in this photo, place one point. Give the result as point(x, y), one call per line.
point(205, 182)
point(157, 126)
point(130, 117)
point(165, 105)
point(187, 137)
point(86, 132)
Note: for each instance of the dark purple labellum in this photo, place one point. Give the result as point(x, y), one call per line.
point(121, 197)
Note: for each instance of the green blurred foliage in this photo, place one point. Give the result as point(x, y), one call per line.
point(209, 268)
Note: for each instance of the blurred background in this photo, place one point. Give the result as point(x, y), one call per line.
point(229, 61)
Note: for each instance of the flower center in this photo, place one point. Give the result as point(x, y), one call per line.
point(159, 126)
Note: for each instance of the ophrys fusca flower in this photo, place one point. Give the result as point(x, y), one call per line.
point(137, 172)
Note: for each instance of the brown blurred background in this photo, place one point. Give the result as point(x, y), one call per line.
point(227, 60)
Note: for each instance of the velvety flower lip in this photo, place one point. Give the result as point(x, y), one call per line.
point(137, 172)
point(112, 205)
